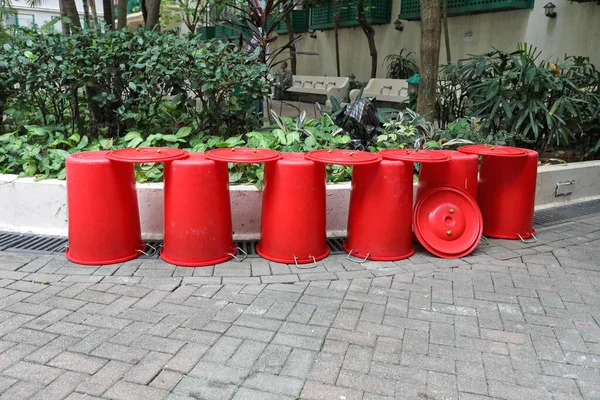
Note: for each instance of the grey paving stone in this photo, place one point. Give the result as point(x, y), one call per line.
point(148, 367)
point(29, 336)
point(31, 372)
point(272, 359)
point(204, 389)
point(123, 390)
point(156, 343)
point(101, 381)
point(166, 380)
point(274, 383)
point(244, 332)
point(368, 383)
point(61, 387)
point(319, 391)
point(22, 390)
point(299, 363)
point(77, 363)
point(118, 352)
point(187, 357)
point(246, 354)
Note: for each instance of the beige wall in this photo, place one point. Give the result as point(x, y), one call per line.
point(575, 31)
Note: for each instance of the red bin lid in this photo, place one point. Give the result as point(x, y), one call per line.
point(493, 150)
point(412, 155)
point(343, 157)
point(447, 222)
point(243, 155)
point(147, 154)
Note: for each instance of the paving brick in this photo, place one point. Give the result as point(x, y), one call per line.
point(156, 343)
point(35, 373)
point(222, 350)
point(244, 332)
point(77, 363)
point(61, 387)
point(275, 384)
point(166, 380)
point(272, 359)
point(148, 367)
point(29, 336)
point(299, 363)
point(119, 353)
point(319, 391)
point(510, 391)
point(442, 385)
point(247, 354)
point(187, 357)
point(368, 383)
point(252, 394)
point(302, 342)
point(101, 381)
point(123, 390)
point(204, 389)
point(22, 390)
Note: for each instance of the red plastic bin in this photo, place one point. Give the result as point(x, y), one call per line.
point(197, 213)
point(379, 220)
point(293, 224)
point(460, 171)
point(104, 225)
point(506, 192)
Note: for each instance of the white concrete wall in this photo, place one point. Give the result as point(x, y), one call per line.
point(40, 207)
point(575, 31)
point(47, 10)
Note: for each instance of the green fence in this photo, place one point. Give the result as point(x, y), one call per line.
point(411, 9)
point(299, 22)
point(378, 12)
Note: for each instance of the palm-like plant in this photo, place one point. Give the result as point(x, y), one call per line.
point(401, 66)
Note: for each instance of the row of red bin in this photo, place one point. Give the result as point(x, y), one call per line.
point(459, 199)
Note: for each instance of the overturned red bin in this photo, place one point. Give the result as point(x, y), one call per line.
point(506, 191)
point(460, 171)
point(293, 227)
point(104, 225)
point(379, 220)
point(197, 213)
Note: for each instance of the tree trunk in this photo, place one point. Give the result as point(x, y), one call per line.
point(336, 27)
point(122, 14)
point(430, 56)
point(370, 33)
point(153, 8)
point(109, 14)
point(290, 29)
point(86, 14)
point(70, 10)
point(446, 36)
point(66, 28)
point(144, 11)
point(94, 13)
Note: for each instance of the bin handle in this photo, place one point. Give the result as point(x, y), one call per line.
point(484, 240)
point(354, 259)
point(234, 255)
point(525, 241)
point(314, 264)
point(151, 253)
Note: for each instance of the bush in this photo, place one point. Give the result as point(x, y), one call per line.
point(545, 103)
point(95, 83)
point(401, 66)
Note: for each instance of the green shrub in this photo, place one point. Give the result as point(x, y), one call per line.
point(96, 83)
point(545, 103)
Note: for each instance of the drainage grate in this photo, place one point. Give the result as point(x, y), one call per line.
point(38, 244)
point(557, 215)
point(32, 243)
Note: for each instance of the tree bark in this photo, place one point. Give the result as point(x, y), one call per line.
point(144, 11)
point(70, 10)
point(109, 14)
point(66, 28)
point(430, 56)
point(86, 14)
point(94, 13)
point(446, 36)
point(370, 33)
point(122, 14)
point(153, 9)
point(336, 27)
point(290, 29)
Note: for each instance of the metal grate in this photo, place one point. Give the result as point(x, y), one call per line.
point(32, 243)
point(39, 244)
point(557, 215)
point(411, 9)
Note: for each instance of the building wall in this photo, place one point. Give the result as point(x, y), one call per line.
point(47, 10)
point(575, 31)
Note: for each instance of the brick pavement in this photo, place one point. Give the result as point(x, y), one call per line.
point(511, 321)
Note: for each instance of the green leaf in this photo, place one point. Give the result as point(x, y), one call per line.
point(184, 131)
point(132, 86)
